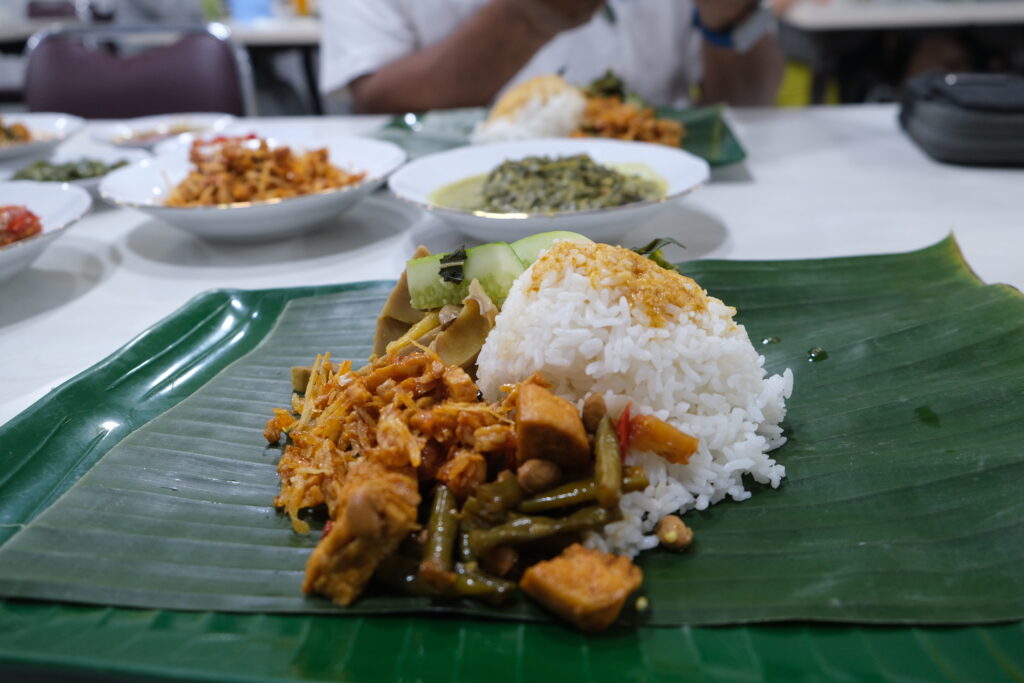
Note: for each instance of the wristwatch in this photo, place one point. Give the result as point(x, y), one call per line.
point(744, 34)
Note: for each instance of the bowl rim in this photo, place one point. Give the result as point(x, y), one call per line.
point(107, 133)
point(512, 216)
point(54, 230)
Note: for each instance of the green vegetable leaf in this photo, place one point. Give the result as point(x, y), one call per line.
point(901, 505)
point(451, 269)
point(653, 251)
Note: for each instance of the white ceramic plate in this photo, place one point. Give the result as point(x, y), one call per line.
point(416, 182)
point(58, 206)
point(62, 155)
point(147, 131)
point(146, 185)
point(47, 129)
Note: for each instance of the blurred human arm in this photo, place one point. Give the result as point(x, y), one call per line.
point(739, 78)
point(470, 65)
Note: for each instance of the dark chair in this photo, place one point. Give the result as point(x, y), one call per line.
point(50, 9)
point(101, 72)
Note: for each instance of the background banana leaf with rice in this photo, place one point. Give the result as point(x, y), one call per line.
point(707, 134)
point(901, 506)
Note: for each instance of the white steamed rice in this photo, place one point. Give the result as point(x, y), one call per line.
point(697, 371)
point(543, 116)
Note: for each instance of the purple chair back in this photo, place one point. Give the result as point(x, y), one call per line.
point(50, 9)
point(199, 72)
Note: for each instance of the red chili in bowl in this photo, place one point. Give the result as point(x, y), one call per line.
point(17, 223)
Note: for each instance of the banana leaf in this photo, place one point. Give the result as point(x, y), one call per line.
point(707, 134)
point(901, 505)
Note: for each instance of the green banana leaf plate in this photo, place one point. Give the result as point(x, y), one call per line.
point(137, 536)
point(707, 134)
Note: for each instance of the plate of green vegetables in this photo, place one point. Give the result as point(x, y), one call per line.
point(84, 167)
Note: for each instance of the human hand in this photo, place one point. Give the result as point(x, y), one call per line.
point(551, 17)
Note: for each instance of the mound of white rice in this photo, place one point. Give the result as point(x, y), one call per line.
point(541, 116)
point(693, 367)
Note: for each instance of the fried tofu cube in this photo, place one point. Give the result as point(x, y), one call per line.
point(549, 428)
point(583, 586)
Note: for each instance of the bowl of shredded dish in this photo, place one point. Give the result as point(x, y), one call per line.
point(35, 134)
point(32, 216)
point(247, 188)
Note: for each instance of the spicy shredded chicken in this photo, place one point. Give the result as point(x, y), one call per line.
point(13, 134)
point(610, 117)
point(362, 441)
point(246, 169)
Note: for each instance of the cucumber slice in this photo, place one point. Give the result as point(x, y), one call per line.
point(495, 266)
point(528, 249)
point(426, 288)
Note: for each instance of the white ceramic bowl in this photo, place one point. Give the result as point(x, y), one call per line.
point(58, 206)
point(94, 151)
point(158, 128)
point(47, 129)
point(420, 179)
point(145, 186)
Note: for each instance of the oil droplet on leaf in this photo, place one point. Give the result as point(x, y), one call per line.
point(816, 355)
point(770, 340)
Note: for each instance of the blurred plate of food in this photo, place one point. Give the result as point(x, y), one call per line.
point(84, 166)
point(251, 189)
point(146, 131)
point(292, 133)
point(547, 106)
point(35, 133)
point(32, 215)
point(597, 187)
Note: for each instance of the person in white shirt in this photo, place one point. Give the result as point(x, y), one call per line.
point(414, 55)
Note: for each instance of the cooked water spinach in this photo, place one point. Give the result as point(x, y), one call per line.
point(548, 185)
point(63, 173)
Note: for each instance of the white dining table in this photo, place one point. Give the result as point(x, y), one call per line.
point(851, 15)
point(817, 182)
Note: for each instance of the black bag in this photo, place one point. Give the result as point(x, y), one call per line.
point(969, 118)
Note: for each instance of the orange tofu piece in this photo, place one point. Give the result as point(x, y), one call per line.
point(585, 587)
point(649, 433)
point(549, 428)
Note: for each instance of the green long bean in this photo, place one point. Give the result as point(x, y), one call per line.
point(400, 573)
point(487, 507)
point(607, 465)
point(579, 492)
point(527, 529)
point(441, 534)
point(473, 583)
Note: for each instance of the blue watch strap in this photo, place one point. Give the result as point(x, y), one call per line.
point(717, 38)
point(743, 35)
